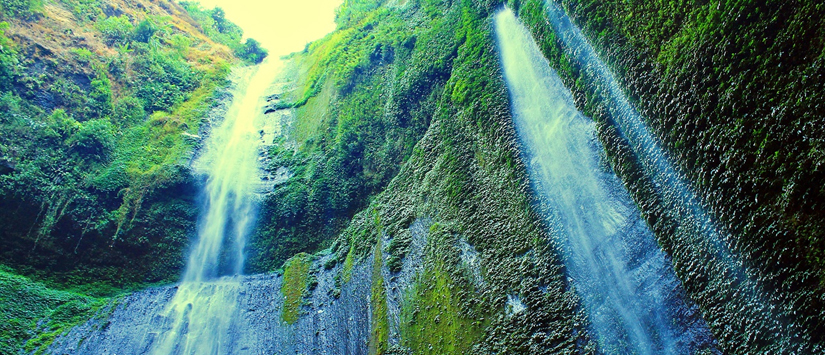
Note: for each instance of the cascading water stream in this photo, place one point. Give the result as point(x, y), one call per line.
point(731, 284)
point(635, 303)
point(203, 308)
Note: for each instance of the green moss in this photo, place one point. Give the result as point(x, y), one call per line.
point(95, 189)
point(294, 286)
point(380, 329)
point(349, 263)
point(435, 317)
point(366, 94)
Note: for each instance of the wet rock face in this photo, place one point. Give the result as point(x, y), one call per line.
point(695, 107)
point(326, 325)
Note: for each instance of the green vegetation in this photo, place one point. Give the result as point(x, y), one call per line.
point(21, 9)
point(366, 95)
point(294, 287)
point(95, 190)
point(23, 304)
point(219, 29)
point(438, 316)
point(465, 174)
point(727, 88)
point(379, 329)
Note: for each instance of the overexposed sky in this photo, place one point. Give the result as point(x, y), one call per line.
point(282, 26)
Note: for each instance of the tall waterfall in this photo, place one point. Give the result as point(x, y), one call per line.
point(201, 313)
point(729, 283)
point(634, 301)
point(230, 162)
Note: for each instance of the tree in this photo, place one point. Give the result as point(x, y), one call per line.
point(219, 16)
point(251, 51)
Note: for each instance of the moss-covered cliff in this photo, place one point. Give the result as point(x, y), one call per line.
point(406, 103)
point(698, 72)
point(102, 107)
point(102, 104)
point(721, 85)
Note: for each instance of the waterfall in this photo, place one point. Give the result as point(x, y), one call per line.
point(203, 308)
point(730, 283)
point(635, 303)
point(230, 163)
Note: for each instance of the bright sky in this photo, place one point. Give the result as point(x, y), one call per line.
point(282, 26)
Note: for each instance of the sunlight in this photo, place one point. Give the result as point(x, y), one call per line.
point(282, 26)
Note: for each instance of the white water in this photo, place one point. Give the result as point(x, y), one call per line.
point(201, 314)
point(633, 299)
point(710, 245)
point(230, 161)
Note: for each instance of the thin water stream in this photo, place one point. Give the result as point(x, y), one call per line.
point(734, 299)
point(634, 301)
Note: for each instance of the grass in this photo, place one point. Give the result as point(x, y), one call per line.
point(34, 315)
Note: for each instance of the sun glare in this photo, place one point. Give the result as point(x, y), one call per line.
point(282, 26)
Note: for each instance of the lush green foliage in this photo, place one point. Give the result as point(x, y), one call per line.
point(251, 51)
point(22, 9)
point(95, 189)
point(116, 29)
point(166, 80)
point(217, 27)
point(8, 59)
point(351, 135)
point(23, 304)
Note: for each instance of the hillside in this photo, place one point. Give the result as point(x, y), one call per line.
point(103, 105)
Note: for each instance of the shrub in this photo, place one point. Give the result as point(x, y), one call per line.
point(128, 111)
point(100, 97)
point(8, 59)
point(251, 51)
point(165, 80)
point(93, 140)
point(144, 31)
point(115, 29)
point(22, 9)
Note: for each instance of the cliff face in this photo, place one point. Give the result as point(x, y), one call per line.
point(719, 85)
point(101, 106)
point(407, 99)
point(697, 75)
point(402, 173)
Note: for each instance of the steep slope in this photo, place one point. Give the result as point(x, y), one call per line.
point(444, 178)
point(486, 275)
point(102, 105)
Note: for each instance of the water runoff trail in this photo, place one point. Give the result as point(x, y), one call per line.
point(751, 313)
point(201, 313)
point(634, 301)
